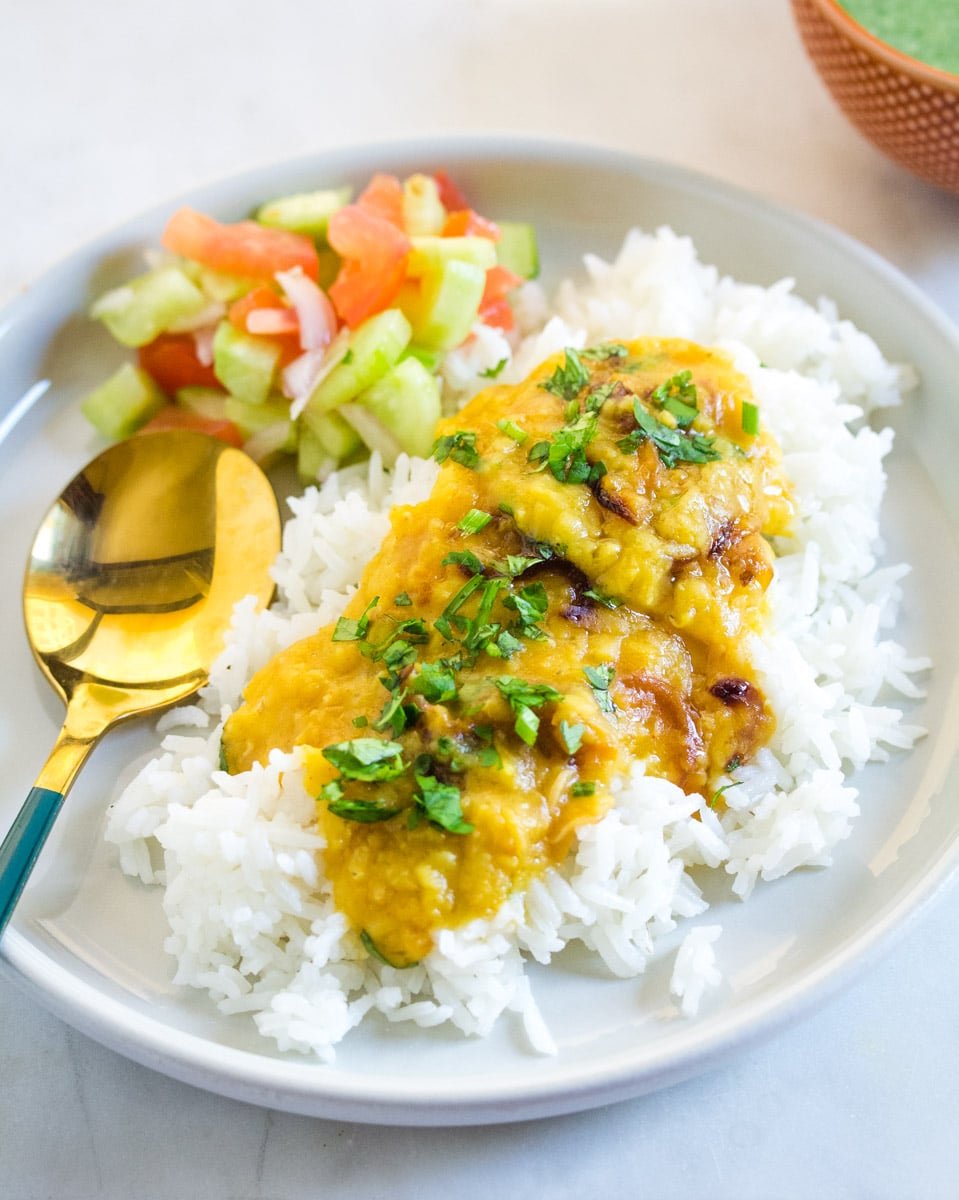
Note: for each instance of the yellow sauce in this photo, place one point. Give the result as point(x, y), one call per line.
point(679, 549)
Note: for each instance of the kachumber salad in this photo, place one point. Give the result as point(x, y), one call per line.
point(614, 622)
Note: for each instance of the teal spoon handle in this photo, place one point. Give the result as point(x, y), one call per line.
point(24, 841)
point(23, 844)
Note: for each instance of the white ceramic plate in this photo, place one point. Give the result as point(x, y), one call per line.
point(87, 942)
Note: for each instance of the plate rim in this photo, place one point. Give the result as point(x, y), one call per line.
point(314, 1089)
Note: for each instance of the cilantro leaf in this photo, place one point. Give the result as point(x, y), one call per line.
point(441, 802)
point(367, 759)
point(571, 735)
point(523, 697)
point(349, 630)
point(492, 372)
point(460, 447)
point(604, 352)
point(375, 952)
point(599, 680)
point(365, 812)
point(436, 682)
point(568, 380)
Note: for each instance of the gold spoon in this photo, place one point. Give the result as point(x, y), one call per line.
point(128, 594)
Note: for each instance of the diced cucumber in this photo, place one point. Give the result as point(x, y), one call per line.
point(374, 433)
point(148, 305)
point(423, 211)
point(304, 212)
point(430, 359)
point(253, 418)
point(430, 254)
point(444, 305)
point(124, 403)
point(245, 365)
point(516, 249)
point(326, 441)
point(204, 401)
point(406, 401)
point(224, 288)
point(373, 348)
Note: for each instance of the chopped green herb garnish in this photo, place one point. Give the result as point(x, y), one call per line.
point(492, 372)
point(505, 509)
point(222, 760)
point(568, 380)
point(512, 430)
point(361, 722)
point(365, 812)
point(719, 791)
point(672, 445)
point(585, 787)
point(596, 397)
point(504, 646)
point(460, 447)
point(442, 804)
point(604, 351)
point(523, 697)
point(464, 558)
point(734, 764)
point(599, 679)
point(402, 600)
point(530, 603)
point(393, 715)
point(571, 736)
point(375, 952)
point(367, 759)
point(349, 630)
point(474, 521)
point(435, 682)
point(599, 597)
point(750, 418)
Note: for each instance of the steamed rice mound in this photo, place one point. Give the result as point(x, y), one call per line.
point(240, 860)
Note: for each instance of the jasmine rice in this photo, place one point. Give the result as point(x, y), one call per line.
point(239, 858)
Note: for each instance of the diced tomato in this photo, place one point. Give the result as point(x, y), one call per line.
point(463, 222)
point(258, 297)
point(171, 360)
point(383, 197)
point(494, 308)
point(450, 195)
point(245, 248)
point(173, 417)
point(265, 297)
point(374, 253)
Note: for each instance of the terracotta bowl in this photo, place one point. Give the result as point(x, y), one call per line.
point(906, 108)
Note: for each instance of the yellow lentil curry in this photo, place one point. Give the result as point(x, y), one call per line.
point(579, 590)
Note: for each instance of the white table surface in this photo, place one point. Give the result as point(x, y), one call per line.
point(110, 106)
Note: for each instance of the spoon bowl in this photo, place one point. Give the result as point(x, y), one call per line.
point(128, 595)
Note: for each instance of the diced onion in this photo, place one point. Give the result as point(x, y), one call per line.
point(315, 312)
point(269, 321)
point(304, 373)
point(203, 341)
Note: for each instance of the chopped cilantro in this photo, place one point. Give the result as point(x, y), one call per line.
point(672, 445)
point(523, 697)
point(734, 763)
point(375, 952)
point(464, 558)
point(442, 804)
point(568, 380)
point(571, 736)
point(492, 372)
point(435, 682)
point(394, 715)
point(506, 509)
point(750, 418)
point(604, 352)
point(585, 787)
point(402, 600)
point(366, 812)
point(349, 630)
point(361, 722)
point(474, 521)
point(599, 679)
point(367, 759)
point(223, 762)
point(460, 447)
point(530, 603)
point(596, 397)
point(599, 597)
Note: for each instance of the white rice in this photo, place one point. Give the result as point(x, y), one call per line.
point(241, 864)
